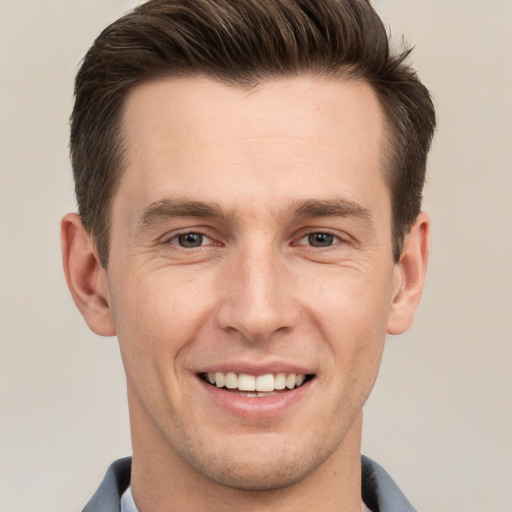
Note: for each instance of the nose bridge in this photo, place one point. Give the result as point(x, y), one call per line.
point(259, 299)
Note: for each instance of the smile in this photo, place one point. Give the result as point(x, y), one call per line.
point(255, 385)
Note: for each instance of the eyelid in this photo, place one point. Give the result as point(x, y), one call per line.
point(172, 238)
point(306, 233)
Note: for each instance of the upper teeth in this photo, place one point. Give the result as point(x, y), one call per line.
point(246, 382)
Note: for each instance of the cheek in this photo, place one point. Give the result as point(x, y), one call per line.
point(354, 301)
point(351, 311)
point(162, 303)
point(156, 319)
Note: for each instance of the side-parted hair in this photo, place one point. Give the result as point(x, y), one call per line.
point(243, 43)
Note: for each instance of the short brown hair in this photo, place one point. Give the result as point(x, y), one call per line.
point(243, 42)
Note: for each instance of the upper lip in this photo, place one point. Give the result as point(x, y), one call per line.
point(260, 368)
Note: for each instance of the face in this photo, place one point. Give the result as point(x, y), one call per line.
point(250, 273)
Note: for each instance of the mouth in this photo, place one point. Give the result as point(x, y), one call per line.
point(244, 384)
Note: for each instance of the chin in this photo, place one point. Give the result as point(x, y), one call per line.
point(268, 466)
point(248, 474)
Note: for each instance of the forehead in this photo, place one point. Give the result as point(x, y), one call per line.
point(282, 139)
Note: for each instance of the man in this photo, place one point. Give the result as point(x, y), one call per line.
point(249, 177)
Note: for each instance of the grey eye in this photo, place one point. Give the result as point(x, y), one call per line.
point(190, 240)
point(320, 239)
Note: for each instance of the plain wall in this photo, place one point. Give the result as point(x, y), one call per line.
point(440, 417)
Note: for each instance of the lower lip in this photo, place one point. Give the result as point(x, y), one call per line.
point(255, 407)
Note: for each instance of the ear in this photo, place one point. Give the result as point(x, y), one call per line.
point(87, 279)
point(410, 276)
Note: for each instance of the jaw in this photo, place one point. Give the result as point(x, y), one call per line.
point(239, 439)
point(269, 474)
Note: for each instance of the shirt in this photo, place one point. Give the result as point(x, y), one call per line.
point(379, 491)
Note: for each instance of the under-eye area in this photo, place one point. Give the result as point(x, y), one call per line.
point(257, 386)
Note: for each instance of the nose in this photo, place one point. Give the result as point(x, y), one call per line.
point(258, 296)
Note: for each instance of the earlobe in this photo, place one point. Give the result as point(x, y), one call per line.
point(410, 276)
point(87, 279)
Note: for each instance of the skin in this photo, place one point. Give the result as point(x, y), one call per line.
point(257, 174)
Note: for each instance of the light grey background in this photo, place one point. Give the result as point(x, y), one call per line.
point(440, 418)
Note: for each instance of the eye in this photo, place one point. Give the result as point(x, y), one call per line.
point(319, 239)
point(190, 240)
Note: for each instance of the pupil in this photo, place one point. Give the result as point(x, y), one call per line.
point(190, 240)
point(320, 239)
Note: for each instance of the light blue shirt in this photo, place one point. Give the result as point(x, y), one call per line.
point(127, 503)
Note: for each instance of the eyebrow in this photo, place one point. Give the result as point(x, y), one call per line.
point(178, 207)
point(330, 208)
point(307, 208)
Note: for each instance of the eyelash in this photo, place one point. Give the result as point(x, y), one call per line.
point(335, 239)
point(174, 240)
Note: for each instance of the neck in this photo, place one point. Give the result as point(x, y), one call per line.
point(163, 481)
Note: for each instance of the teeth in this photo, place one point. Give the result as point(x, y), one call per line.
point(291, 380)
point(219, 379)
point(262, 383)
point(265, 382)
point(231, 380)
point(246, 382)
point(280, 381)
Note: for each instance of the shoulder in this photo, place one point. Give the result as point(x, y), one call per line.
point(117, 479)
point(380, 492)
